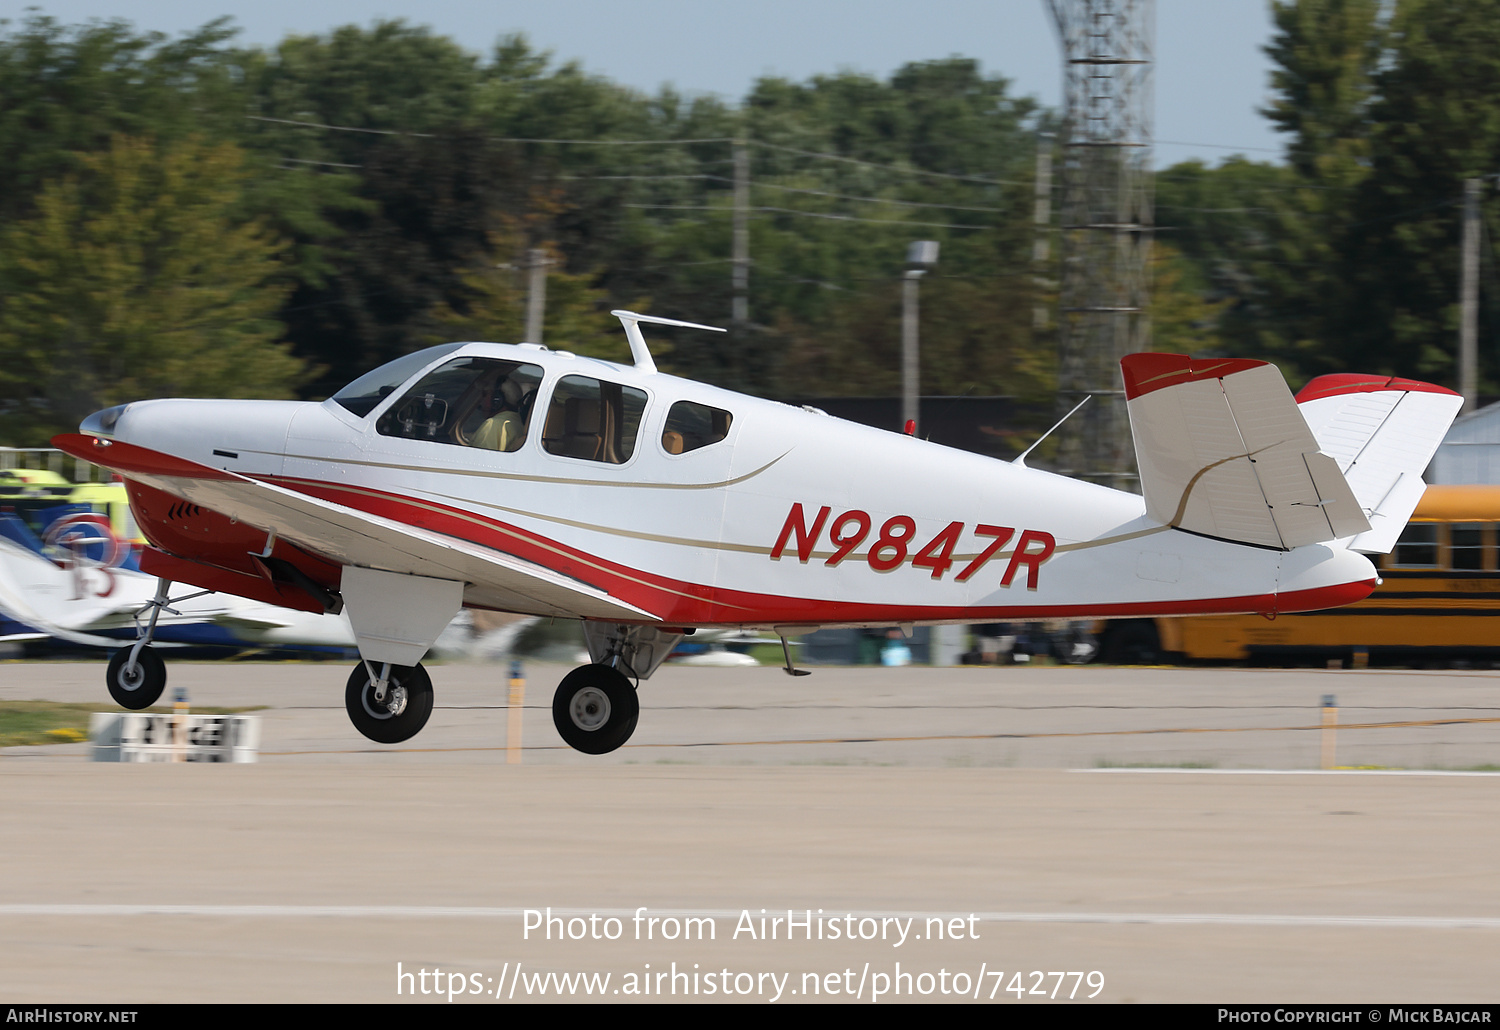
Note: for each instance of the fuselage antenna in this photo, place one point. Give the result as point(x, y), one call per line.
point(1020, 459)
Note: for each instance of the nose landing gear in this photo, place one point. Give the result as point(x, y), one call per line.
point(138, 685)
point(137, 675)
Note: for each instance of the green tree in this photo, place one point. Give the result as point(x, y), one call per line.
point(65, 92)
point(493, 304)
point(1435, 124)
point(138, 277)
point(1326, 54)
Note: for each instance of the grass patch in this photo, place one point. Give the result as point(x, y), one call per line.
point(769, 654)
point(55, 722)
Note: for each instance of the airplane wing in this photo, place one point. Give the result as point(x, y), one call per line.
point(348, 537)
point(1223, 451)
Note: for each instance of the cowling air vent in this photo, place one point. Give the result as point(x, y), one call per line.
point(183, 510)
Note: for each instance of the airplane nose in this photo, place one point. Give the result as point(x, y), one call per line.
point(102, 423)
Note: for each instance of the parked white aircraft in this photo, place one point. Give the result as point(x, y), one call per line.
point(89, 599)
point(521, 479)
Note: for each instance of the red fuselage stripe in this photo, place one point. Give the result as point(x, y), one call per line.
point(707, 605)
point(678, 602)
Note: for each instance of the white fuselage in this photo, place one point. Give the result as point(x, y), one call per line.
point(793, 518)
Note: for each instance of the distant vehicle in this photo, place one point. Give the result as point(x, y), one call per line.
point(725, 649)
point(1438, 600)
point(516, 478)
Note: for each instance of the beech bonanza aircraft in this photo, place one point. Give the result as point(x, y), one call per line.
point(521, 479)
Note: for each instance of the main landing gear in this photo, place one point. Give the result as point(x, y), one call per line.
point(595, 707)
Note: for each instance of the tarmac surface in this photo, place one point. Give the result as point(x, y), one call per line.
point(1146, 835)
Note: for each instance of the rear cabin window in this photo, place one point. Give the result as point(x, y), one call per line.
point(470, 402)
point(691, 426)
point(593, 419)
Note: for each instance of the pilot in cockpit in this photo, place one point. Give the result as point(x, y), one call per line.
point(505, 428)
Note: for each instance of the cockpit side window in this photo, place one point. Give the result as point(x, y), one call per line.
point(471, 402)
point(690, 426)
point(593, 419)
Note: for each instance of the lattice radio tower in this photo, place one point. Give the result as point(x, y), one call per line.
point(1106, 227)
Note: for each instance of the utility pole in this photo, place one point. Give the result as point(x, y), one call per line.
point(536, 293)
point(920, 257)
point(741, 257)
point(1468, 326)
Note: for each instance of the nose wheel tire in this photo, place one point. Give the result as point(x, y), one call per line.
point(141, 687)
point(595, 709)
point(403, 713)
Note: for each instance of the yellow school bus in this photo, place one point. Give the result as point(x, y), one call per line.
point(1439, 600)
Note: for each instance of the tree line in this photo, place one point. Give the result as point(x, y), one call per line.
point(187, 216)
point(1346, 256)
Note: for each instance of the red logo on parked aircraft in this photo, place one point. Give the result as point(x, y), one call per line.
point(85, 544)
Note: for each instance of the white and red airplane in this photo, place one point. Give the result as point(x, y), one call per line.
point(521, 479)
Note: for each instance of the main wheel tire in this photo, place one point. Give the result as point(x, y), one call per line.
point(408, 703)
point(595, 709)
point(142, 688)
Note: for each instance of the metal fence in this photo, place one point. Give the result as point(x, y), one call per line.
point(52, 460)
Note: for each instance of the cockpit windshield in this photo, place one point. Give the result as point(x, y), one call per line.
point(473, 402)
point(365, 393)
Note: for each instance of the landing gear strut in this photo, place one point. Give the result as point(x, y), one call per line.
point(137, 676)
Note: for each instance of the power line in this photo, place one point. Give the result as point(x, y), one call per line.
point(875, 164)
point(805, 214)
point(326, 164)
point(876, 200)
point(1217, 146)
point(493, 139)
point(791, 189)
point(339, 128)
point(898, 169)
point(714, 178)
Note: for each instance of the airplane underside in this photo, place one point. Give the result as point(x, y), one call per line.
point(396, 616)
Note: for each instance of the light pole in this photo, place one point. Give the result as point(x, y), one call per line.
point(920, 257)
point(536, 294)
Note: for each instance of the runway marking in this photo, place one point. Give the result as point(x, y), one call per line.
point(482, 912)
point(1291, 772)
point(1398, 724)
